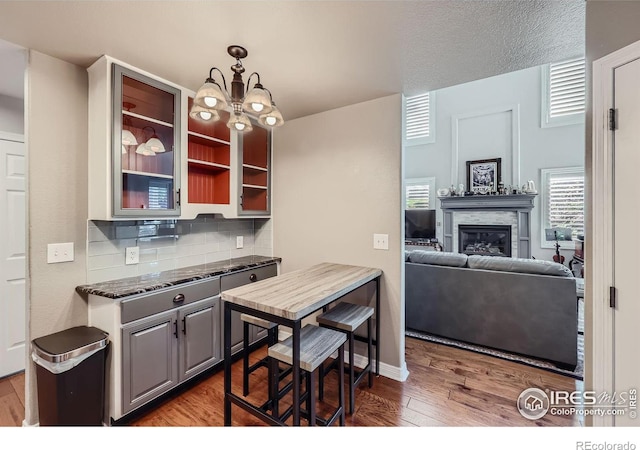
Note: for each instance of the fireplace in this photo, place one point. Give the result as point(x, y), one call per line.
point(488, 240)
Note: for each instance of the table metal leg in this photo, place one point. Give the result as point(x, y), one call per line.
point(378, 326)
point(296, 373)
point(227, 364)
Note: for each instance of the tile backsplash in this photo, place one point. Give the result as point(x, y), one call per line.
point(170, 244)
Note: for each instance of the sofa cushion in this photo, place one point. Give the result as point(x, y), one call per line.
point(438, 258)
point(520, 265)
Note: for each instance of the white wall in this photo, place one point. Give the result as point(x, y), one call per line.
point(56, 135)
point(11, 114)
point(337, 178)
point(489, 135)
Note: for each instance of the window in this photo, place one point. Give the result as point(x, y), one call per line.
point(159, 194)
point(419, 123)
point(562, 202)
point(563, 93)
point(417, 193)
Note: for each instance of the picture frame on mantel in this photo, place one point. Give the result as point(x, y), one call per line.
point(483, 175)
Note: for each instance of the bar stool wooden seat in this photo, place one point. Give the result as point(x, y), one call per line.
point(347, 317)
point(272, 338)
point(316, 345)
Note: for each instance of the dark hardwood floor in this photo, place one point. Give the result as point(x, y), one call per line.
point(446, 387)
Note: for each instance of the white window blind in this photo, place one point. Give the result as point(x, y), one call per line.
point(418, 196)
point(564, 92)
point(564, 199)
point(566, 88)
point(417, 193)
point(159, 194)
point(418, 119)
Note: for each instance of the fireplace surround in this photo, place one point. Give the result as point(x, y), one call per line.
point(477, 210)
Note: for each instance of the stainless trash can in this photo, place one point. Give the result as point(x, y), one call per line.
point(70, 373)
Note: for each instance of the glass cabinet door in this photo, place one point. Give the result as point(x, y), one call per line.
point(146, 142)
point(255, 156)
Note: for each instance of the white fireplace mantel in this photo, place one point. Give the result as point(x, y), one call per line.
point(513, 207)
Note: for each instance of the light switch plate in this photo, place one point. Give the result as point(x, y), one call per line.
point(381, 241)
point(239, 241)
point(57, 253)
point(132, 255)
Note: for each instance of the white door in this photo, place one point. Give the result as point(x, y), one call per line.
point(626, 374)
point(12, 256)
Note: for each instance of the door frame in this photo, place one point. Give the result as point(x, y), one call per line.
point(601, 264)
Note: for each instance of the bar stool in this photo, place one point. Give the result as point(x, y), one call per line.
point(347, 317)
point(272, 338)
point(316, 345)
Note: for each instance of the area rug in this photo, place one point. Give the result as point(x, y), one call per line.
point(578, 373)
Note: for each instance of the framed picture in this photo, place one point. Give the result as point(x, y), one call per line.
point(483, 175)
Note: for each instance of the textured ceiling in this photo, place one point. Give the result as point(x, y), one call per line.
point(312, 55)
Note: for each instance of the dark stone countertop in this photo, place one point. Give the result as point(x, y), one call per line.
point(124, 287)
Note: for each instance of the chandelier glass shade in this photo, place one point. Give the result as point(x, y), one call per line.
point(200, 113)
point(256, 100)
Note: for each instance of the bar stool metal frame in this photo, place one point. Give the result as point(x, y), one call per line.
point(272, 338)
point(311, 362)
point(348, 317)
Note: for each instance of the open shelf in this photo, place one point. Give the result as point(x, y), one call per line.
point(209, 160)
point(207, 165)
point(254, 198)
point(255, 177)
point(208, 186)
point(253, 186)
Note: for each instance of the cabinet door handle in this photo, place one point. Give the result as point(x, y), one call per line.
point(178, 298)
point(175, 328)
point(241, 200)
point(184, 325)
point(178, 195)
point(253, 277)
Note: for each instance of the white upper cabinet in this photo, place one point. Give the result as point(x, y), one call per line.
point(149, 159)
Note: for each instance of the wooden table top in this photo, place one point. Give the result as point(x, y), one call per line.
point(297, 294)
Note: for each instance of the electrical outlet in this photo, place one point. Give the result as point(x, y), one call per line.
point(381, 241)
point(57, 253)
point(239, 241)
point(132, 255)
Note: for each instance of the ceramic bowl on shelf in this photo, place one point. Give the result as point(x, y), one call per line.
point(443, 192)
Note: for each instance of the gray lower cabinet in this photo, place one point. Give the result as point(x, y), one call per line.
point(149, 351)
point(240, 279)
point(162, 350)
point(200, 343)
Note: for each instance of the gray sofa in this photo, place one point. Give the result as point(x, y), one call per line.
point(521, 306)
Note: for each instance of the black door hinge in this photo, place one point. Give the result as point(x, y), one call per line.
point(612, 296)
point(612, 119)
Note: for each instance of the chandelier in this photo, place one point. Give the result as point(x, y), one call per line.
point(211, 98)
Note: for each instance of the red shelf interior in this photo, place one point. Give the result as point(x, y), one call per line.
point(209, 151)
point(253, 176)
point(254, 199)
point(208, 185)
point(148, 101)
point(255, 145)
point(161, 164)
